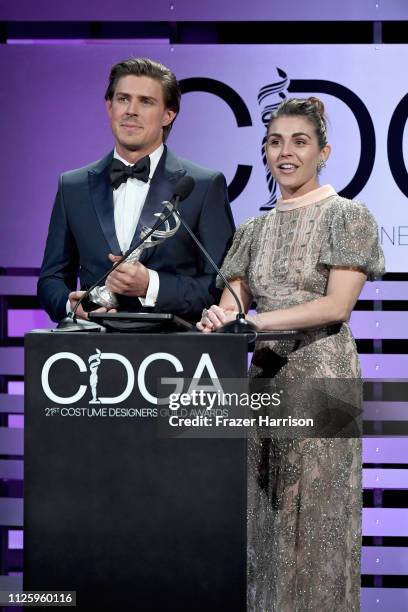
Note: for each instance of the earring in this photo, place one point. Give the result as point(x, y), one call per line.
point(320, 165)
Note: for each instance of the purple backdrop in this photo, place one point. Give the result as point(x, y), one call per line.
point(54, 120)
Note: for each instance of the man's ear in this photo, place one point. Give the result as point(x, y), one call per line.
point(169, 116)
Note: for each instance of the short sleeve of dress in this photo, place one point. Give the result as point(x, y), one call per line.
point(236, 262)
point(351, 239)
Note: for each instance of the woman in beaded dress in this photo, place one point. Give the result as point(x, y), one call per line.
point(304, 263)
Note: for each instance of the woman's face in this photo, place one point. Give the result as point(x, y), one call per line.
point(293, 153)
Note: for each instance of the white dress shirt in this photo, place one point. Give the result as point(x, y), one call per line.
point(128, 202)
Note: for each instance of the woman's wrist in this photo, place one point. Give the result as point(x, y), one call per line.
point(257, 320)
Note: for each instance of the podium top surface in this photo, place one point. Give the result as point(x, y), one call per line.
point(268, 335)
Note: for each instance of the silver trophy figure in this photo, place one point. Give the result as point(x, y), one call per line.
point(101, 295)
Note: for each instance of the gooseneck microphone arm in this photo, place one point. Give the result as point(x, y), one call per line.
point(240, 325)
point(212, 262)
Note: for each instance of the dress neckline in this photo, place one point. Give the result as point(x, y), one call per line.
point(311, 197)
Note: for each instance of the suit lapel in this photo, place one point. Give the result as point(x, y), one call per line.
point(168, 172)
point(102, 199)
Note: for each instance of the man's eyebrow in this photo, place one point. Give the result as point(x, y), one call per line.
point(139, 96)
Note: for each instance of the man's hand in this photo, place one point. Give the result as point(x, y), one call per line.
point(128, 279)
point(74, 297)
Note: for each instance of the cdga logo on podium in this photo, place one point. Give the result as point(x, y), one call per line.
point(204, 369)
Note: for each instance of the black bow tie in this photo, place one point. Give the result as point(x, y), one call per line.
point(120, 172)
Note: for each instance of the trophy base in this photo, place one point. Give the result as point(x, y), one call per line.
point(101, 296)
point(88, 305)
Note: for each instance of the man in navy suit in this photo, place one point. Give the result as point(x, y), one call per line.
point(100, 210)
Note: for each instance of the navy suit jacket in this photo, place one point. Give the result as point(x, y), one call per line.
point(82, 234)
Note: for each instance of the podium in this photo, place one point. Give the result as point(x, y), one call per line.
point(130, 520)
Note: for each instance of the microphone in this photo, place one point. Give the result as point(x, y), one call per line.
point(70, 323)
point(183, 189)
point(240, 325)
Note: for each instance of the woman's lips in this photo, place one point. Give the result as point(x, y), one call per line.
point(287, 168)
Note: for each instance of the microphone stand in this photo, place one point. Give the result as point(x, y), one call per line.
point(70, 322)
point(240, 325)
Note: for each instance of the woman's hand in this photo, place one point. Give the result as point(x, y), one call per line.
point(214, 318)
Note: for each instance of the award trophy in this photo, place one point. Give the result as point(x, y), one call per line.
point(101, 296)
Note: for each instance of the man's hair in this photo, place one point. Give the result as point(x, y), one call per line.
point(140, 66)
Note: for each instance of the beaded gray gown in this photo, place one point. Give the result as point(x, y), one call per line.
point(304, 496)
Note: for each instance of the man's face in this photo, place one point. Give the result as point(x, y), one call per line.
point(138, 115)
